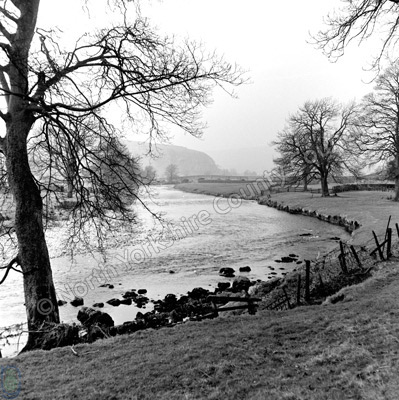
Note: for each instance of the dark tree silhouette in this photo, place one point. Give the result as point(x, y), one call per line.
point(314, 142)
point(378, 133)
point(357, 21)
point(60, 97)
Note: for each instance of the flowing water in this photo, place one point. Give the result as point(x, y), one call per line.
point(207, 234)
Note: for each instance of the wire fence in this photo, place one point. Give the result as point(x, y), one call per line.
point(346, 265)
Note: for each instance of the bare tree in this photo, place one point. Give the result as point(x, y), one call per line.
point(295, 162)
point(357, 21)
point(149, 174)
point(171, 172)
point(51, 92)
point(378, 133)
point(313, 145)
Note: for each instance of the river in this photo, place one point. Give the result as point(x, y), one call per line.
point(207, 234)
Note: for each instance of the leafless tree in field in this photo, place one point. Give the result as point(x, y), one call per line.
point(314, 142)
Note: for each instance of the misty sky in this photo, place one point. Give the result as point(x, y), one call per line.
point(269, 39)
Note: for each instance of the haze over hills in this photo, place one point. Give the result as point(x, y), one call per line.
point(189, 162)
point(246, 161)
point(256, 159)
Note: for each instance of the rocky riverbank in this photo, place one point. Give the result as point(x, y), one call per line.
point(167, 312)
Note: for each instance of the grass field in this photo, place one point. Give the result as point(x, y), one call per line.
point(348, 350)
point(370, 209)
point(221, 189)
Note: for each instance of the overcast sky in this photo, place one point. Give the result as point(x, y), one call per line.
point(269, 39)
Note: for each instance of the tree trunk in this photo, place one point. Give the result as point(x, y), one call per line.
point(324, 186)
point(69, 190)
point(305, 183)
point(40, 297)
point(396, 197)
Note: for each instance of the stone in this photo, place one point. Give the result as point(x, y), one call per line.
point(198, 293)
point(88, 316)
point(99, 305)
point(114, 302)
point(141, 301)
point(170, 299)
point(126, 302)
point(245, 269)
point(288, 259)
point(130, 294)
point(142, 291)
point(77, 301)
point(241, 283)
point(223, 285)
point(61, 302)
point(227, 272)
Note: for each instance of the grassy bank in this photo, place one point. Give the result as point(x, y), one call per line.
point(343, 351)
point(217, 189)
point(370, 209)
point(347, 350)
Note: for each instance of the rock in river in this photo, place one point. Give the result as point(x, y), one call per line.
point(227, 272)
point(77, 301)
point(114, 302)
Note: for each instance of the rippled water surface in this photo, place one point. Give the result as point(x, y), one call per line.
point(217, 234)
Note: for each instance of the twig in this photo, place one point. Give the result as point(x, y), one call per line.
point(74, 352)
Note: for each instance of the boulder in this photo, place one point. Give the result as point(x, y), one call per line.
point(223, 285)
point(142, 291)
point(198, 293)
point(114, 302)
point(99, 305)
point(108, 285)
point(130, 294)
point(77, 301)
point(245, 269)
point(288, 259)
point(227, 272)
point(126, 302)
point(141, 301)
point(241, 283)
point(88, 316)
point(61, 302)
point(170, 299)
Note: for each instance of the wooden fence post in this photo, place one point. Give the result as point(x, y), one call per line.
point(386, 233)
point(286, 297)
point(359, 263)
point(307, 281)
point(342, 259)
point(378, 247)
point(389, 245)
point(298, 291)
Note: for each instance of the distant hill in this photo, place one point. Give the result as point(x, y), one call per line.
point(258, 159)
point(189, 162)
